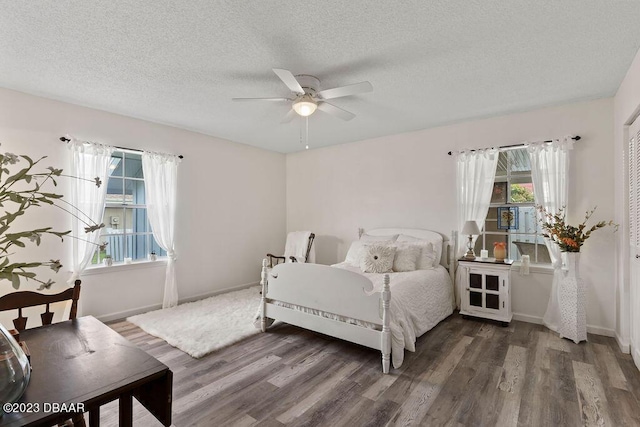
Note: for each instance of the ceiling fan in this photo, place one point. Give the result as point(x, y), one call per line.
point(307, 96)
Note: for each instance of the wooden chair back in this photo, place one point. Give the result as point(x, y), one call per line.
point(24, 299)
point(279, 259)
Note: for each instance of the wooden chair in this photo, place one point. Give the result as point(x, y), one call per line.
point(24, 299)
point(283, 258)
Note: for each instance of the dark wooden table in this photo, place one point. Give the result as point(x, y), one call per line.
point(85, 361)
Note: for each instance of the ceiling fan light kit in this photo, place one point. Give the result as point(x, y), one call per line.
point(306, 96)
point(305, 105)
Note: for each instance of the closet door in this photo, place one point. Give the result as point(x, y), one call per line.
point(634, 237)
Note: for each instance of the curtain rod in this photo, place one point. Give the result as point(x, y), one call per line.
point(575, 138)
point(65, 139)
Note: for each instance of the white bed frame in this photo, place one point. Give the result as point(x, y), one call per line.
point(341, 292)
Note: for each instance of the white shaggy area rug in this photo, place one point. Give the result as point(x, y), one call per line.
point(200, 327)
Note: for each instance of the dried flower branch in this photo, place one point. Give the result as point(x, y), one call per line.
point(568, 237)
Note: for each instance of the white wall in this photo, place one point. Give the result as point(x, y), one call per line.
point(626, 109)
point(231, 200)
point(408, 180)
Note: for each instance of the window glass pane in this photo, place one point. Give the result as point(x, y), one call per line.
point(156, 248)
point(499, 194)
point(527, 220)
point(491, 225)
point(134, 192)
point(113, 219)
point(114, 190)
point(501, 169)
point(98, 255)
point(138, 247)
point(519, 161)
point(522, 192)
point(115, 246)
point(115, 166)
point(133, 166)
point(136, 220)
point(127, 231)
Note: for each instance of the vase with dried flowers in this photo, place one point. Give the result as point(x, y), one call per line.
point(572, 292)
point(20, 191)
point(568, 237)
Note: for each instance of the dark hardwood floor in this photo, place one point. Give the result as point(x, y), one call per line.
point(464, 372)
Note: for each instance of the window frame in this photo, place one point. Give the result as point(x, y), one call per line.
point(510, 234)
point(123, 206)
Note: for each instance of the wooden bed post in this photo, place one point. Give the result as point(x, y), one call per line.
point(263, 282)
point(386, 331)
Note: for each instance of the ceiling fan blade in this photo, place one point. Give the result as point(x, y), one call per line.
point(353, 89)
point(289, 116)
point(289, 80)
point(335, 111)
point(261, 99)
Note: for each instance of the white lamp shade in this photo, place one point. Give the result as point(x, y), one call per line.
point(470, 228)
point(305, 106)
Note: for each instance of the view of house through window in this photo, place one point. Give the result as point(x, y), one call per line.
point(127, 229)
point(512, 217)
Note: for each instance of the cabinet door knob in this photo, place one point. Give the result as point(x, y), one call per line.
point(637, 256)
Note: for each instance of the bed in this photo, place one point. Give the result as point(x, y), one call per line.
point(386, 312)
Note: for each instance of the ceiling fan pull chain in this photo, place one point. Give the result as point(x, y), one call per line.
point(307, 136)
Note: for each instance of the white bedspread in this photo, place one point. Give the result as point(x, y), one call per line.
point(419, 301)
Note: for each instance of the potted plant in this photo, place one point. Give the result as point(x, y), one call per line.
point(571, 291)
point(107, 260)
point(153, 256)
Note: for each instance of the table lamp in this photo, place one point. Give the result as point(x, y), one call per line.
point(470, 228)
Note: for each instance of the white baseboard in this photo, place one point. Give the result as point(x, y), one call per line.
point(139, 310)
point(636, 357)
point(596, 330)
point(527, 318)
point(622, 344)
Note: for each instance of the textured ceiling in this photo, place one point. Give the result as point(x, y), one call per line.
point(430, 62)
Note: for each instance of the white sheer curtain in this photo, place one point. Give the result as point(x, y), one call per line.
point(160, 184)
point(550, 174)
point(475, 173)
point(89, 162)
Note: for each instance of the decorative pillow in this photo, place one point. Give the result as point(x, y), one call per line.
point(428, 258)
point(436, 241)
point(353, 255)
point(406, 257)
point(354, 252)
point(377, 259)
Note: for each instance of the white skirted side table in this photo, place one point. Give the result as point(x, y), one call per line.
point(572, 298)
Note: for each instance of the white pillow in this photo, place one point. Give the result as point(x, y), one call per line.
point(428, 258)
point(377, 259)
point(436, 241)
point(353, 254)
point(369, 238)
point(406, 257)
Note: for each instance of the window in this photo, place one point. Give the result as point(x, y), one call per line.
point(512, 217)
point(127, 231)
